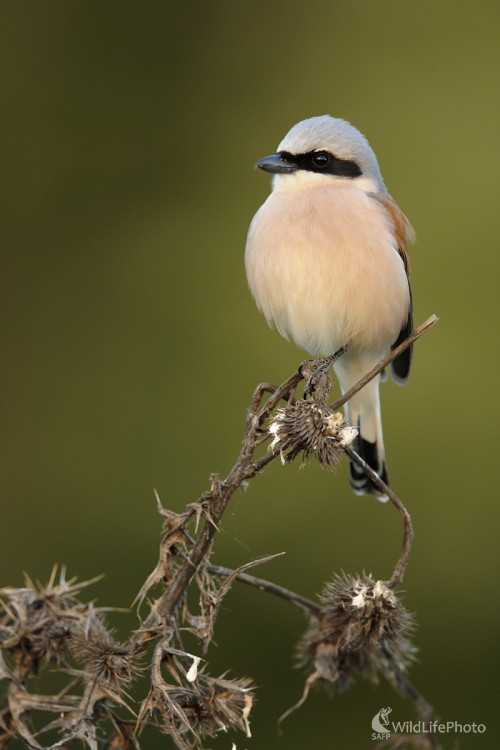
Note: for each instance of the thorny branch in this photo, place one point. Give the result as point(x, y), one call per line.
point(359, 626)
point(272, 588)
point(245, 468)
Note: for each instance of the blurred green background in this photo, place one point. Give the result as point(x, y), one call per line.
point(130, 344)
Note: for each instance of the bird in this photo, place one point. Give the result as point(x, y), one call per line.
point(327, 264)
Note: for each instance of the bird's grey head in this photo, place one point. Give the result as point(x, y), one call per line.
point(325, 145)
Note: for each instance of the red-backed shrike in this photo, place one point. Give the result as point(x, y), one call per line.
point(326, 262)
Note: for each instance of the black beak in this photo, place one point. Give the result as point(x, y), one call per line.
point(276, 164)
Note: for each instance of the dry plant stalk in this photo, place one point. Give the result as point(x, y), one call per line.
point(359, 626)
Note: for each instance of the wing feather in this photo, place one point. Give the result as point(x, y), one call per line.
point(403, 233)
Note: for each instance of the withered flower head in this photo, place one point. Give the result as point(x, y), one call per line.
point(227, 704)
point(312, 428)
point(208, 706)
point(38, 621)
point(362, 630)
point(109, 663)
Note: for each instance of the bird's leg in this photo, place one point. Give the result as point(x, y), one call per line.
point(315, 373)
point(318, 383)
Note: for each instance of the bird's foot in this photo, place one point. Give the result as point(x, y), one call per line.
point(315, 373)
point(318, 383)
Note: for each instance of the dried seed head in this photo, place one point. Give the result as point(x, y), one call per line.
point(312, 428)
point(109, 663)
point(38, 621)
point(225, 704)
point(362, 630)
point(207, 707)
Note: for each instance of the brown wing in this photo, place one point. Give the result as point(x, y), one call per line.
point(404, 233)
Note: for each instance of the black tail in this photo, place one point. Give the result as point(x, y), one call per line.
point(400, 367)
point(360, 482)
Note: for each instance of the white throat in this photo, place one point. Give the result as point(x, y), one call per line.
point(302, 180)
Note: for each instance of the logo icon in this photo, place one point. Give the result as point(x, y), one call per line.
point(380, 722)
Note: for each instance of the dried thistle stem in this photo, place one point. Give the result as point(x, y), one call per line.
point(400, 568)
point(50, 625)
point(271, 588)
point(245, 468)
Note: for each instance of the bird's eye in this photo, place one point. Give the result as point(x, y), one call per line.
point(321, 159)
